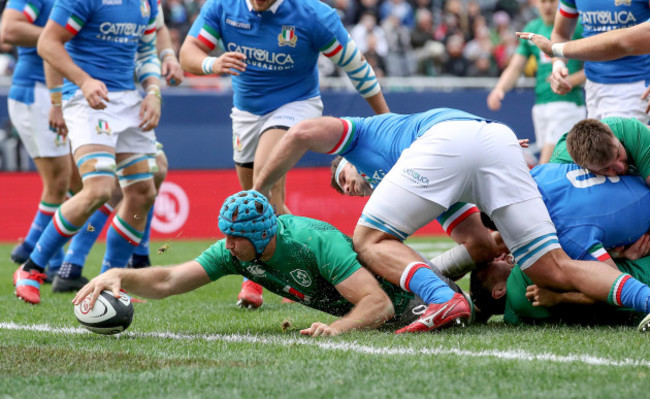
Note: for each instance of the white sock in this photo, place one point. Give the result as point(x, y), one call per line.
point(455, 262)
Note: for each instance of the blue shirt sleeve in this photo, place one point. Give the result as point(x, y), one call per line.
point(328, 28)
point(74, 11)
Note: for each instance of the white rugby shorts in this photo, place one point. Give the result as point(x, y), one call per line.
point(463, 161)
point(247, 128)
point(115, 126)
point(616, 99)
point(552, 120)
point(32, 124)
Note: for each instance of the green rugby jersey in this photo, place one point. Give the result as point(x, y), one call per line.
point(310, 259)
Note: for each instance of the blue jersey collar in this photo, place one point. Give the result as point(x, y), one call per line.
point(273, 8)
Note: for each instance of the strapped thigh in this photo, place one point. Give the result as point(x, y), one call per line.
point(96, 164)
point(136, 168)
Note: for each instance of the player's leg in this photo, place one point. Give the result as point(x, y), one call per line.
point(96, 164)
point(476, 244)
point(135, 172)
point(140, 257)
point(69, 277)
point(560, 117)
point(50, 153)
point(391, 214)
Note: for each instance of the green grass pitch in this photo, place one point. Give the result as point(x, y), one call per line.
point(200, 345)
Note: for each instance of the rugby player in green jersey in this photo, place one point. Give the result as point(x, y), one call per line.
point(306, 260)
point(613, 146)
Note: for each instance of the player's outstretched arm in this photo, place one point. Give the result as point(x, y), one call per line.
point(151, 282)
point(602, 47)
point(372, 306)
point(318, 135)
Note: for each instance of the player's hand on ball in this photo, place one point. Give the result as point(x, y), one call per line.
point(95, 92)
point(320, 330)
point(109, 280)
point(538, 40)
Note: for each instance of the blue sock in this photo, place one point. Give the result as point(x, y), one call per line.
point(143, 248)
point(70, 271)
point(121, 241)
point(43, 216)
point(421, 280)
point(630, 293)
point(55, 261)
point(82, 243)
point(54, 237)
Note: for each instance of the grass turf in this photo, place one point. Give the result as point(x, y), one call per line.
point(201, 345)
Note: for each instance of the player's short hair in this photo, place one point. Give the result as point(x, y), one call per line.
point(589, 142)
point(333, 166)
point(482, 296)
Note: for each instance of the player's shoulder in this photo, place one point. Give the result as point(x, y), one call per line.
point(301, 223)
point(310, 11)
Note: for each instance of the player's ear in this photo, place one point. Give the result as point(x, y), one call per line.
point(499, 290)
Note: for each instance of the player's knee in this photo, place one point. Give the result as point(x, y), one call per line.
point(160, 175)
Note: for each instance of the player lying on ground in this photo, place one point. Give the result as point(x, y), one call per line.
point(449, 156)
point(303, 259)
point(587, 221)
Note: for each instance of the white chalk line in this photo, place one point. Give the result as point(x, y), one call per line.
point(324, 344)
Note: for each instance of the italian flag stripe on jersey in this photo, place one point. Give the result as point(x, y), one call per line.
point(598, 252)
point(74, 24)
point(455, 215)
point(208, 36)
point(127, 232)
point(331, 48)
point(151, 26)
point(31, 12)
point(346, 137)
point(569, 11)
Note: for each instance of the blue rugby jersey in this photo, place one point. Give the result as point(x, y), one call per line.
point(597, 16)
point(375, 143)
point(582, 208)
point(281, 45)
point(106, 37)
point(29, 68)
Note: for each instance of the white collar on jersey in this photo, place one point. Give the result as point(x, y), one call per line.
point(274, 7)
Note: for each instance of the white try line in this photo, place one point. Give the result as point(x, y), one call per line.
point(325, 344)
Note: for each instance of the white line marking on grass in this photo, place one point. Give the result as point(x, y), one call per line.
point(349, 346)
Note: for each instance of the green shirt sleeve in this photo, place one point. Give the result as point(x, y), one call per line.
point(217, 261)
point(560, 153)
point(516, 299)
point(635, 138)
point(338, 261)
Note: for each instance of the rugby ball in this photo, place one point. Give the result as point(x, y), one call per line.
point(109, 316)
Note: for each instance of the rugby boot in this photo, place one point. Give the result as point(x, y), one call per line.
point(250, 296)
point(61, 284)
point(28, 285)
point(457, 310)
point(19, 254)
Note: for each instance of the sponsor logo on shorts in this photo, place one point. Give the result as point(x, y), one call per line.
point(102, 127)
point(60, 141)
point(242, 25)
point(288, 36)
point(415, 177)
point(301, 277)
